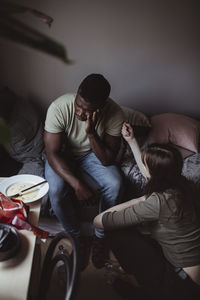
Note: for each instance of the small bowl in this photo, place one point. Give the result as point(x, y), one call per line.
point(11, 242)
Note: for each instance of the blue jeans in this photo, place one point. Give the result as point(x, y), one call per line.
point(105, 181)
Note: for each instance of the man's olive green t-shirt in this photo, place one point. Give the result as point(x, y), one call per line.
point(61, 118)
point(178, 237)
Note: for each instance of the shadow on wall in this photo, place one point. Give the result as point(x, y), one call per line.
point(149, 105)
point(160, 103)
point(148, 50)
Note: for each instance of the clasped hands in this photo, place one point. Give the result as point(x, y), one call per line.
point(85, 195)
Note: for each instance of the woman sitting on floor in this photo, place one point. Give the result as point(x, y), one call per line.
point(167, 262)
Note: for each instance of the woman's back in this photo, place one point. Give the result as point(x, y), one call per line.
point(178, 234)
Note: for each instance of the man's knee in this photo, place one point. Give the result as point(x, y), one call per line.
point(59, 195)
point(55, 191)
point(114, 185)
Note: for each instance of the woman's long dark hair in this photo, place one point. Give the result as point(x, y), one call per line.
point(165, 164)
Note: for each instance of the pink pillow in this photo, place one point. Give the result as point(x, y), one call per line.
point(177, 129)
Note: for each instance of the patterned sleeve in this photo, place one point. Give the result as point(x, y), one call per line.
point(143, 211)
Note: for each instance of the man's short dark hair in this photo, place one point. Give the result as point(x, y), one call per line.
point(94, 88)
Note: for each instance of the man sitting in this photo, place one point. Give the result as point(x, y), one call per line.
point(82, 138)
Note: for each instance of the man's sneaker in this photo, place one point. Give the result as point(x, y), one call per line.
point(100, 252)
point(83, 248)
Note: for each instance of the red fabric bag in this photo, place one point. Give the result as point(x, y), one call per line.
point(9, 208)
point(15, 212)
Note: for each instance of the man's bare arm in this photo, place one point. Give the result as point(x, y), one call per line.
point(53, 143)
point(105, 149)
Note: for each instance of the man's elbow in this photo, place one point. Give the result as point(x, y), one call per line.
point(109, 160)
point(106, 163)
point(50, 157)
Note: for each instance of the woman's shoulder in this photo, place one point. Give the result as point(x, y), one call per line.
point(168, 195)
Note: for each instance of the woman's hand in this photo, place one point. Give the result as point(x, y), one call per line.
point(127, 132)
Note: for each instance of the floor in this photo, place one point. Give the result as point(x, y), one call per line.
point(94, 283)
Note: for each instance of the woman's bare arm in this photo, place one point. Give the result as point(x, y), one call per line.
point(98, 219)
point(128, 135)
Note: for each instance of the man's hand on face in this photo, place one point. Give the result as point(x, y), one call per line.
point(85, 195)
point(91, 122)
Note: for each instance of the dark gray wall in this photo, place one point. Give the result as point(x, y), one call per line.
point(148, 50)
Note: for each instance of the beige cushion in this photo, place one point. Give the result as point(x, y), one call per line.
point(135, 117)
point(141, 125)
point(177, 129)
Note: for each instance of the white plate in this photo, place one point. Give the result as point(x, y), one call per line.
point(8, 184)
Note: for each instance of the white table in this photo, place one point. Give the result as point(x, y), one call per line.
point(15, 272)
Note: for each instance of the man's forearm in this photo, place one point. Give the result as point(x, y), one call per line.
point(61, 167)
point(99, 148)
